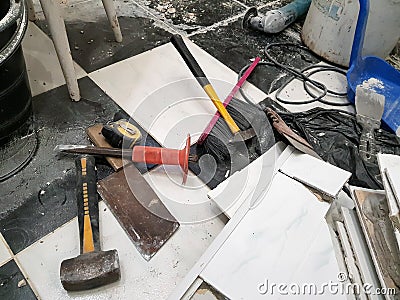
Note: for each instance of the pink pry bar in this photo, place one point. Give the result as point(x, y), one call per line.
point(228, 99)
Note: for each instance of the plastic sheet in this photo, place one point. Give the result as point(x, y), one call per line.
point(245, 116)
point(335, 136)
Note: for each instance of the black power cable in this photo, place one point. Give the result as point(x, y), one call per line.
point(300, 75)
point(28, 159)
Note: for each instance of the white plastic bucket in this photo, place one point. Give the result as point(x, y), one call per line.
point(330, 24)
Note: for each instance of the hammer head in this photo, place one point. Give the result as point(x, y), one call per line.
point(90, 270)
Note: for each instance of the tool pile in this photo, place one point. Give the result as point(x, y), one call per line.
point(246, 132)
point(301, 187)
point(242, 134)
point(148, 231)
point(348, 162)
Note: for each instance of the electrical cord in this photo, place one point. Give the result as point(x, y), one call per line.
point(300, 75)
point(241, 72)
point(304, 77)
point(322, 68)
point(27, 160)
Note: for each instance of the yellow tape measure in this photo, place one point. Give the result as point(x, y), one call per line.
point(121, 133)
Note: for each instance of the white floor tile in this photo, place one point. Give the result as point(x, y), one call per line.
point(241, 186)
point(285, 239)
point(42, 64)
point(187, 203)
point(315, 173)
point(139, 279)
point(5, 254)
point(157, 89)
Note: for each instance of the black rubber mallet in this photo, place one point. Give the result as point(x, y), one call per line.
point(93, 267)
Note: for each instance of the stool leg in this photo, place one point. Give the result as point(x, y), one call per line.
point(60, 40)
point(112, 18)
point(31, 10)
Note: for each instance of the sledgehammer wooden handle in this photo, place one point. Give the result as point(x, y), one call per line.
point(87, 200)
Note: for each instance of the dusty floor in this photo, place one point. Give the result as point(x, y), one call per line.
point(38, 204)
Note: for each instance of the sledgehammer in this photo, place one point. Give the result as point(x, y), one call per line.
point(93, 267)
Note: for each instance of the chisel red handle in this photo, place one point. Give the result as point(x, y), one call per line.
point(157, 156)
point(164, 156)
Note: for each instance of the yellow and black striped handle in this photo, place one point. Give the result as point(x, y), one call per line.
point(87, 200)
point(196, 70)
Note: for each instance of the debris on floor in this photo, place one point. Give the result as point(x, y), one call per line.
point(380, 234)
point(335, 136)
point(22, 283)
point(390, 171)
point(292, 180)
point(351, 249)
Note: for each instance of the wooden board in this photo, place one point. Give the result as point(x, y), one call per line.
point(138, 209)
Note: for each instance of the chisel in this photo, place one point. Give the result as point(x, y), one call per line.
point(148, 155)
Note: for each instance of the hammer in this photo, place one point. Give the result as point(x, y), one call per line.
point(93, 267)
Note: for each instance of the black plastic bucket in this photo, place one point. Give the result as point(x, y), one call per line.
point(18, 137)
point(15, 95)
